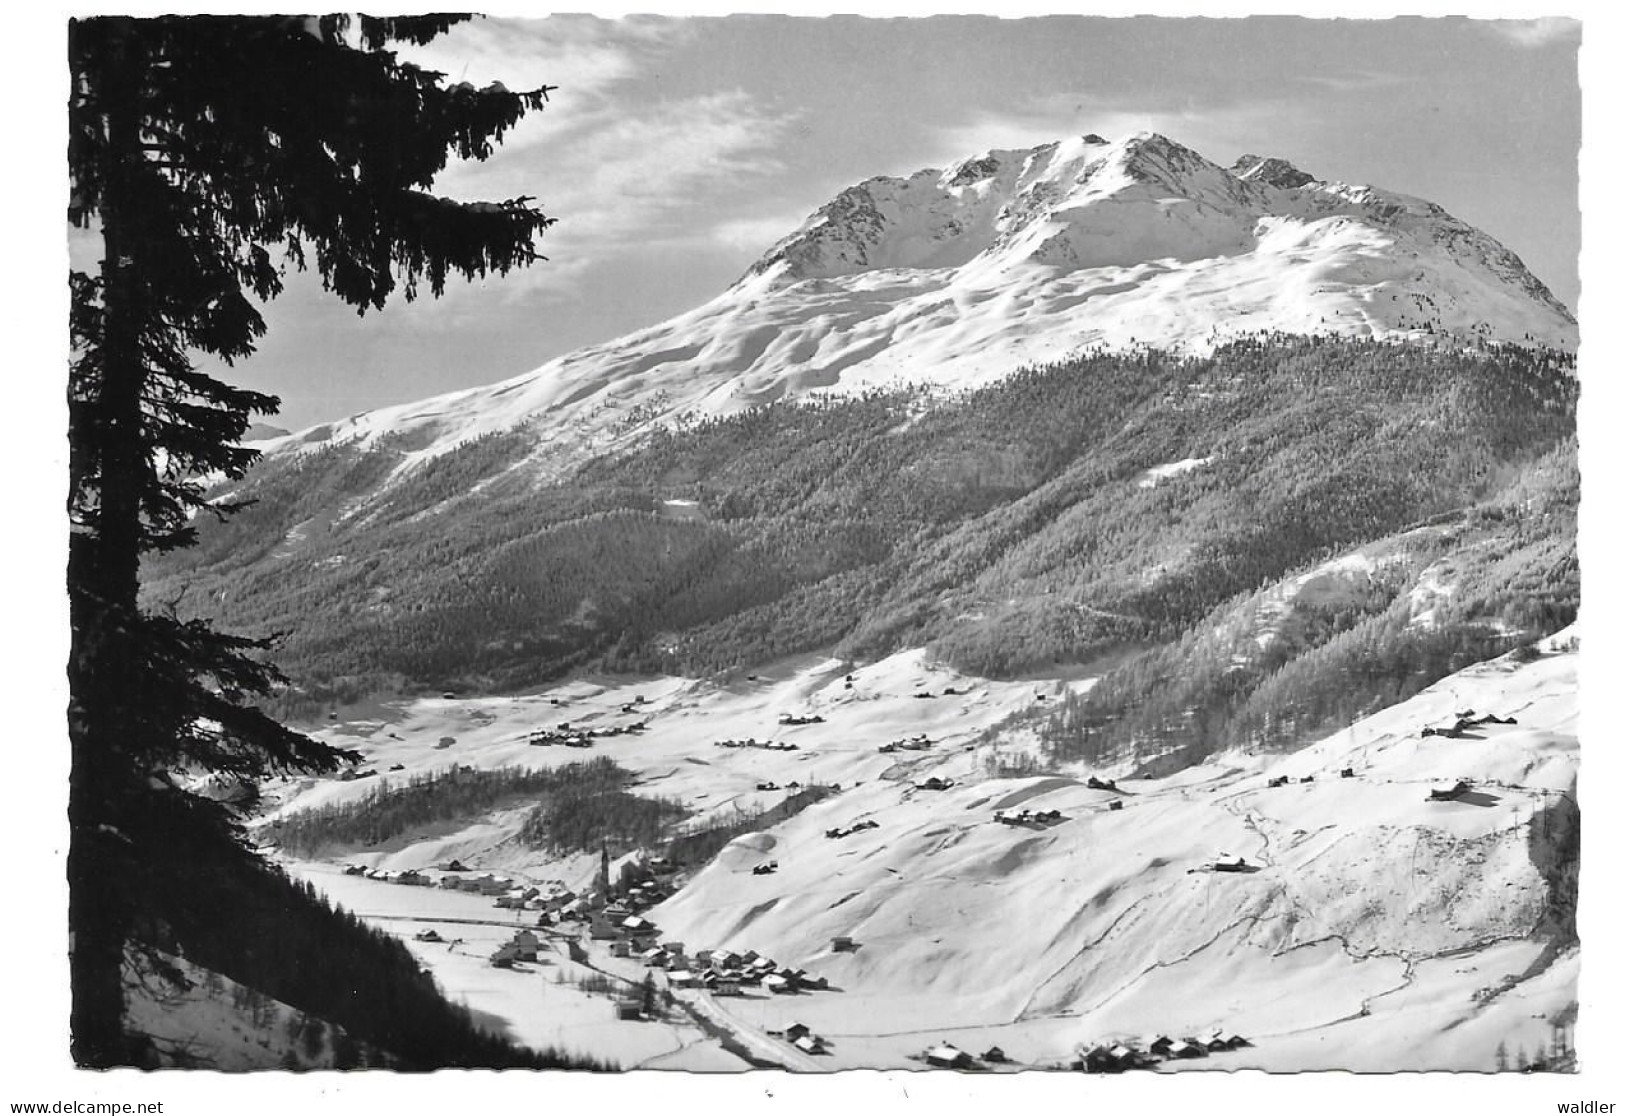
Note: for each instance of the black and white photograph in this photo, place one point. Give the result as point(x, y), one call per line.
point(1032, 552)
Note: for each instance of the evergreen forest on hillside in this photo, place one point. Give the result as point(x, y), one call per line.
point(575, 807)
point(1011, 530)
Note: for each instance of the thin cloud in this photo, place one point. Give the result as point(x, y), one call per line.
point(630, 171)
point(578, 54)
point(1212, 131)
point(1356, 81)
point(757, 234)
point(626, 180)
point(1534, 33)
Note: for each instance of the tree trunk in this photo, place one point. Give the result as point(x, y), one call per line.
point(103, 571)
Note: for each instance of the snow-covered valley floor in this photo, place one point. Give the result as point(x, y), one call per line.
point(1369, 928)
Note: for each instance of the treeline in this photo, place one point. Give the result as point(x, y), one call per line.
point(457, 793)
point(1010, 529)
point(225, 909)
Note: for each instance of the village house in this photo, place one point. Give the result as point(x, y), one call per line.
point(842, 944)
point(527, 944)
point(947, 1056)
point(1097, 1059)
point(493, 885)
point(809, 1044)
point(1110, 1058)
point(1126, 1056)
point(628, 1009)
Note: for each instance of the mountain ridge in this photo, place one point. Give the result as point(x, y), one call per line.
point(1006, 527)
point(956, 278)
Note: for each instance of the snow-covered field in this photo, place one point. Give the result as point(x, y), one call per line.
point(1373, 929)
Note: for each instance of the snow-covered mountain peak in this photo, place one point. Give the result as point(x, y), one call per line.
point(1271, 171)
point(988, 203)
point(960, 276)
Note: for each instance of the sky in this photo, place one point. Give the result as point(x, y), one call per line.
point(676, 150)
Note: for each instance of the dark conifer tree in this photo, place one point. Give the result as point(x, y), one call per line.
point(210, 153)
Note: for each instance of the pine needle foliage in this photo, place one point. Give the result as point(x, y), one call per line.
point(209, 155)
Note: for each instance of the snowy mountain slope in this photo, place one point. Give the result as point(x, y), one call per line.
point(1377, 930)
point(956, 278)
point(1107, 924)
point(191, 1017)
